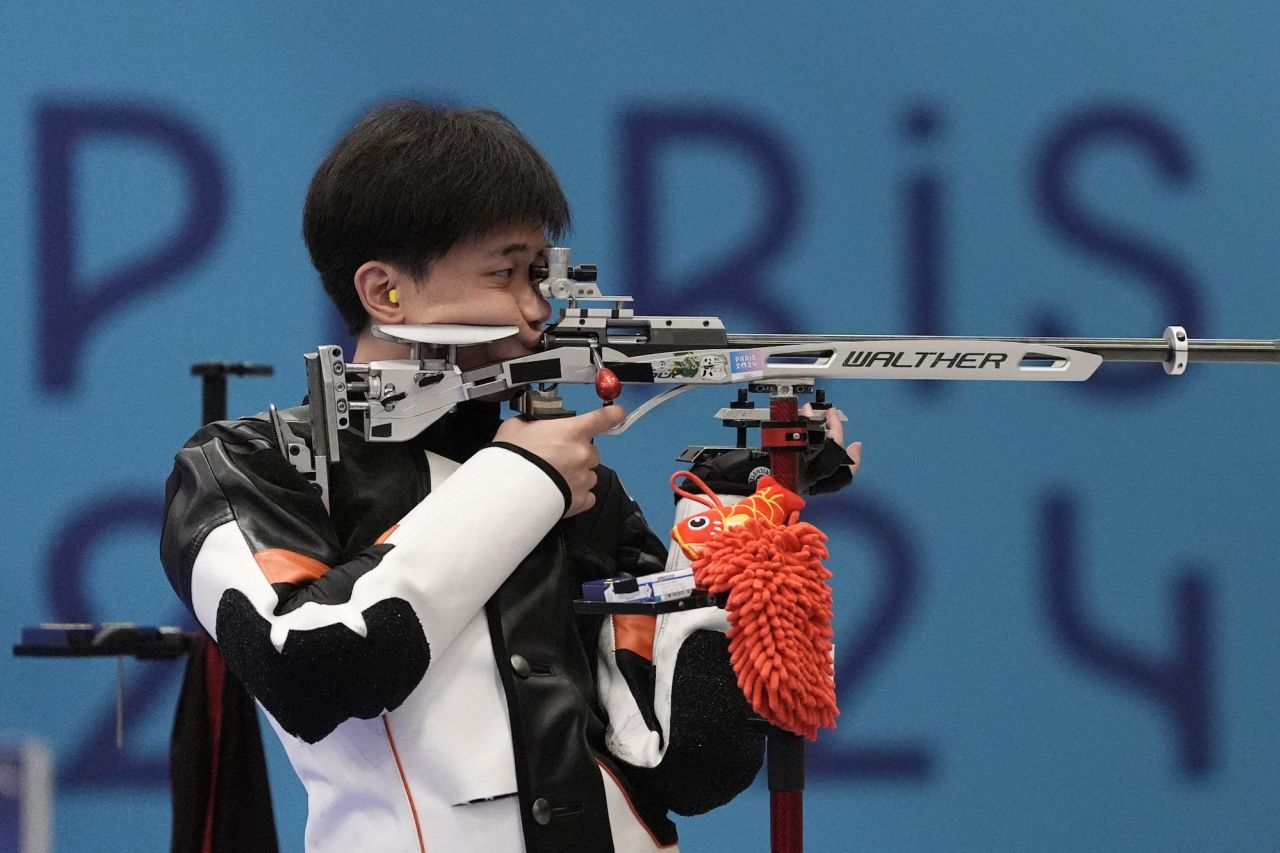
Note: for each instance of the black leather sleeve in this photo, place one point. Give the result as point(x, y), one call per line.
point(233, 472)
point(613, 538)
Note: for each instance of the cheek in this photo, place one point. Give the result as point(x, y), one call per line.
point(504, 311)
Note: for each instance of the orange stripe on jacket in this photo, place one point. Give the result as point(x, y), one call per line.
point(404, 780)
point(634, 631)
point(281, 566)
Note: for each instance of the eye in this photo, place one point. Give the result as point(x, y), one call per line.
point(504, 273)
point(698, 522)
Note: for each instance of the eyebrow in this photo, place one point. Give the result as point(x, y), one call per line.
point(513, 248)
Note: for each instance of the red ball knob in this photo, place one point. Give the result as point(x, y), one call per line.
point(608, 386)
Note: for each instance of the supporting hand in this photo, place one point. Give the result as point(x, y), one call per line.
point(835, 432)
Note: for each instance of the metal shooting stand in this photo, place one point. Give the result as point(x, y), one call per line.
point(784, 435)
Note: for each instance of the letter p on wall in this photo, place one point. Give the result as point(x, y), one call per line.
point(69, 304)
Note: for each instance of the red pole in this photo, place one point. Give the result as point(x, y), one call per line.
point(785, 435)
point(786, 810)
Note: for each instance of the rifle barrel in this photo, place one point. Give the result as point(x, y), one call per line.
point(1111, 349)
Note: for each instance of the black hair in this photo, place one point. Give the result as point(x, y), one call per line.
point(410, 181)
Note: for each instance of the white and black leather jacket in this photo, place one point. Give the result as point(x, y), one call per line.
point(416, 649)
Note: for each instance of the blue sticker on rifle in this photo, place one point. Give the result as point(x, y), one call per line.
point(746, 364)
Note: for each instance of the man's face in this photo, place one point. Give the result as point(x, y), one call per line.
point(485, 282)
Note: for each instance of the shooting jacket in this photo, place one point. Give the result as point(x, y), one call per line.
point(416, 650)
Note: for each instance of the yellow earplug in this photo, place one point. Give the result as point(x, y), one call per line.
point(393, 297)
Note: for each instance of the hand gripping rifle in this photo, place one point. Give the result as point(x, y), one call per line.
point(598, 339)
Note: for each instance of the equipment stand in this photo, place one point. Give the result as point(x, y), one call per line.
point(784, 435)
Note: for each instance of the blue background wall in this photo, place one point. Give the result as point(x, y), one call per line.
point(1054, 604)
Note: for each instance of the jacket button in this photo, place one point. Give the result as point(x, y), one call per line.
point(542, 811)
point(521, 668)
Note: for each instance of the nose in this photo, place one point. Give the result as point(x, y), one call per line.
point(534, 310)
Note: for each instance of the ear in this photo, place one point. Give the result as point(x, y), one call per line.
point(375, 282)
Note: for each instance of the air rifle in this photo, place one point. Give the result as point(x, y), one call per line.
point(598, 339)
